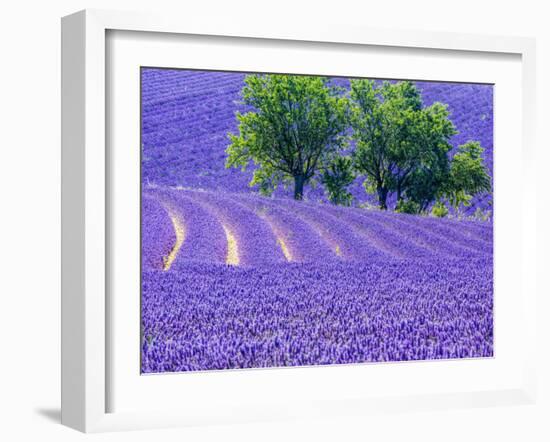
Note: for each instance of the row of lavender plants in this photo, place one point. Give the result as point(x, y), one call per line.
point(353, 286)
point(186, 116)
point(213, 317)
point(264, 229)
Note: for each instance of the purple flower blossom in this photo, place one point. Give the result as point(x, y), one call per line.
point(186, 116)
point(231, 279)
point(157, 236)
point(221, 317)
point(402, 287)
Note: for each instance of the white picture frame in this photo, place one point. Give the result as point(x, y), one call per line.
point(86, 207)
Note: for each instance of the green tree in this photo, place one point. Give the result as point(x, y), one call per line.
point(468, 175)
point(454, 181)
point(371, 131)
point(401, 147)
point(428, 165)
point(295, 128)
point(336, 178)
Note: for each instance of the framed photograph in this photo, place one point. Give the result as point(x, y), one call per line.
point(266, 222)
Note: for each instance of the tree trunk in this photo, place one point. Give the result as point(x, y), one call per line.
point(299, 181)
point(382, 196)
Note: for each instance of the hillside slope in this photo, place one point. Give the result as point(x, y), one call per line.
point(243, 281)
point(254, 231)
point(186, 116)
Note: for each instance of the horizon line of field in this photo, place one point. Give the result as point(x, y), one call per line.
point(245, 230)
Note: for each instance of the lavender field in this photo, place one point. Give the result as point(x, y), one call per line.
point(233, 279)
point(186, 116)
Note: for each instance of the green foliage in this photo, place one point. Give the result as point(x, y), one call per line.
point(468, 175)
point(427, 164)
point(440, 210)
point(408, 206)
point(400, 147)
point(299, 127)
point(373, 115)
point(295, 129)
point(336, 178)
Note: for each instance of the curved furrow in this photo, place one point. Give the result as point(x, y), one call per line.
point(205, 239)
point(179, 230)
point(348, 243)
point(249, 230)
point(380, 235)
point(472, 230)
point(423, 237)
point(255, 241)
point(478, 230)
point(157, 234)
point(293, 233)
point(449, 232)
point(452, 244)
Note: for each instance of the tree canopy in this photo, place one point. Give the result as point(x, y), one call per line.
point(467, 176)
point(295, 128)
point(336, 178)
point(401, 147)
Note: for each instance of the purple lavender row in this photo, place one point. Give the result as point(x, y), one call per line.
point(474, 229)
point(205, 239)
point(422, 236)
point(360, 237)
point(188, 114)
point(389, 239)
point(469, 229)
point(162, 84)
point(165, 115)
point(220, 317)
point(191, 90)
point(256, 242)
point(477, 231)
point(456, 242)
point(301, 239)
point(347, 242)
point(157, 234)
point(311, 231)
point(451, 232)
